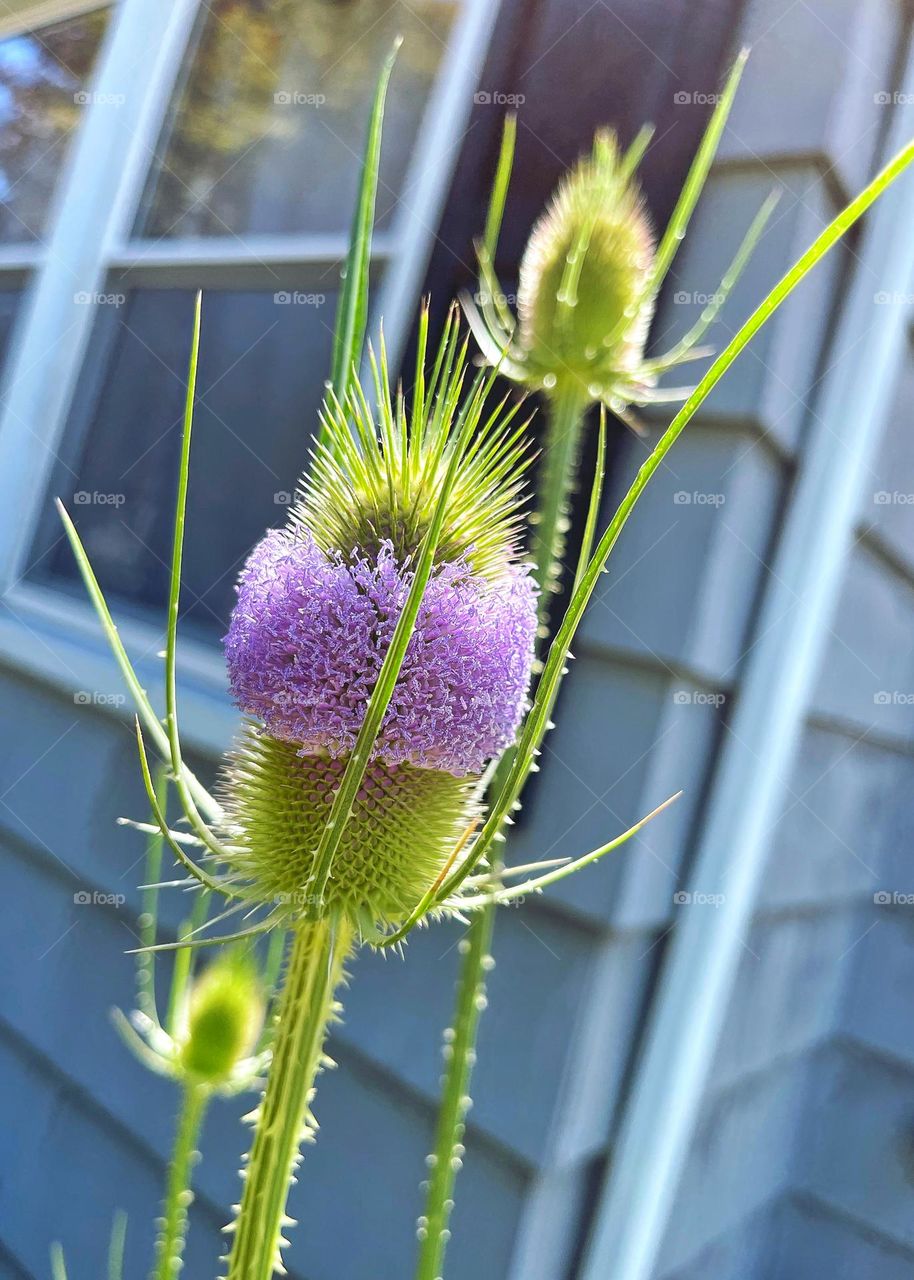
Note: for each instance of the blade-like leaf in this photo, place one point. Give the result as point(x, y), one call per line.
point(500, 186)
point(116, 1246)
point(745, 251)
point(694, 183)
point(352, 312)
point(145, 968)
point(537, 883)
point(174, 596)
point(146, 712)
point(187, 862)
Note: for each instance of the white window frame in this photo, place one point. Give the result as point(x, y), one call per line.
point(44, 631)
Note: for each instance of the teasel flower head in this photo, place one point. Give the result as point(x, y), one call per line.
point(317, 610)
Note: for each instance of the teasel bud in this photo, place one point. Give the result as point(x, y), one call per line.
point(318, 603)
point(591, 274)
point(584, 305)
point(588, 286)
point(224, 1018)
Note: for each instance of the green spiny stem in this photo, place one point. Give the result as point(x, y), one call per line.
point(306, 1007)
point(557, 478)
point(178, 1195)
point(559, 472)
point(459, 1050)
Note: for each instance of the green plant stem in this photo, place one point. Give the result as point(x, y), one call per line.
point(557, 478)
point(306, 1006)
point(559, 473)
point(459, 1049)
point(178, 1195)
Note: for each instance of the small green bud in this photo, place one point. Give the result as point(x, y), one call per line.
point(583, 302)
point(224, 1017)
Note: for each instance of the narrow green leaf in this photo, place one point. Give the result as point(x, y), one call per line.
point(58, 1265)
point(183, 858)
point(681, 350)
point(537, 883)
point(352, 311)
point(116, 1246)
point(147, 714)
point(593, 507)
point(500, 186)
point(146, 971)
point(698, 173)
point(636, 152)
point(221, 941)
point(182, 971)
point(174, 595)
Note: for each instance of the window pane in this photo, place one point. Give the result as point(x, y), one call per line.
point(42, 80)
point(267, 133)
point(262, 366)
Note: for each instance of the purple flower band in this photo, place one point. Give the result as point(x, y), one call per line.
point(309, 633)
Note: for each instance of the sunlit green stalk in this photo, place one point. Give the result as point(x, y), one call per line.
point(306, 1006)
point(178, 1195)
point(557, 479)
point(459, 1053)
point(559, 472)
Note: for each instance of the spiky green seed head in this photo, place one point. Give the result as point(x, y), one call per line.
point(405, 826)
point(224, 1017)
point(583, 302)
point(376, 481)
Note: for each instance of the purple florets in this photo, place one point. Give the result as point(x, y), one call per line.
point(309, 633)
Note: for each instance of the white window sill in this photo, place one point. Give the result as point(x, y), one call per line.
point(59, 642)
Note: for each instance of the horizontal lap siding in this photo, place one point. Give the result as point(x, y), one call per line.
point(808, 1238)
point(849, 794)
point(640, 717)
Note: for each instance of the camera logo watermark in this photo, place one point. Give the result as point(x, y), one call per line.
point(495, 98)
point(885, 498)
point(85, 98)
point(483, 297)
point(893, 898)
point(687, 298)
point(93, 898)
point(885, 99)
point(84, 299)
point(692, 98)
point(298, 898)
point(685, 899)
point(294, 299)
point(697, 498)
point(695, 698)
point(83, 498)
point(893, 698)
point(295, 98)
point(93, 698)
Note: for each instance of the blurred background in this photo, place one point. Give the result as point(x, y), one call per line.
point(148, 149)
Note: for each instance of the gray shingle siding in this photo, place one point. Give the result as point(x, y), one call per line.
point(803, 1162)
